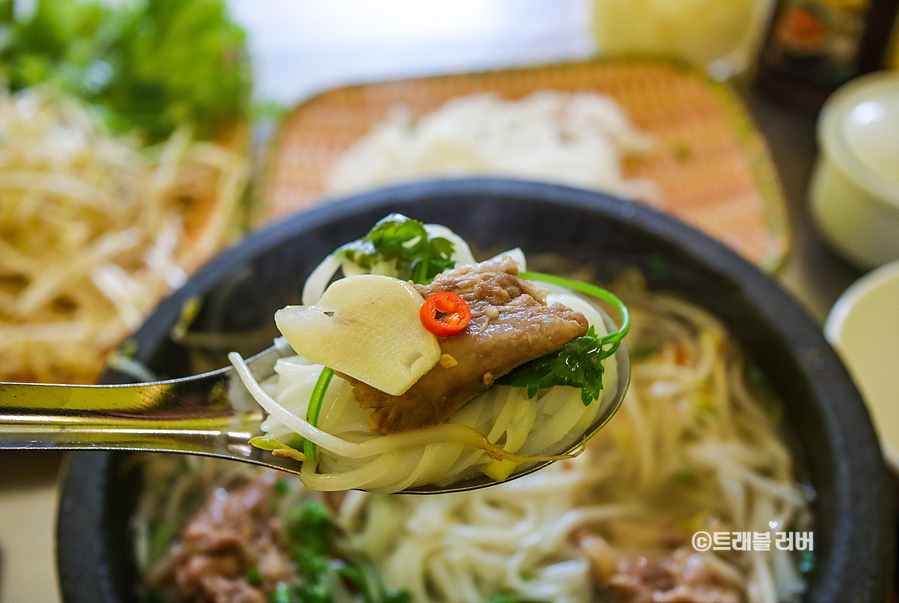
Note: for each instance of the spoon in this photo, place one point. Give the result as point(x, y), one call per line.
point(203, 414)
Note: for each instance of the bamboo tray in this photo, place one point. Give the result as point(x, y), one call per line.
point(710, 164)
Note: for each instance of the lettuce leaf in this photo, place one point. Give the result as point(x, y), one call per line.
point(150, 66)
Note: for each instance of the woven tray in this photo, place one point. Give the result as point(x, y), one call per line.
point(710, 164)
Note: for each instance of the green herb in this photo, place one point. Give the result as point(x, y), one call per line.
point(154, 595)
point(685, 476)
point(308, 527)
point(282, 594)
point(578, 363)
point(758, 382)
point(364, 577)
point(505, 596)
point(301, 593)
point(396, 239)
point(151, 65)
point(642, 353)
point(706, 412)
point(161, 538)
point(310, 450)
point(308, 531)
point(253, 575)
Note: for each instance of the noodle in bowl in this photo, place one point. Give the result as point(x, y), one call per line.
point(696, 446)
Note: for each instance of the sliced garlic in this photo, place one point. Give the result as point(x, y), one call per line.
point(367, 327)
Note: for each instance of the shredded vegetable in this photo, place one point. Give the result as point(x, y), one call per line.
point(94, 230)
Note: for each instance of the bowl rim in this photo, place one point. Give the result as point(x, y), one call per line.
point(858, 542)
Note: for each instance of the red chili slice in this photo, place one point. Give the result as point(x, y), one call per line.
point(454, 314)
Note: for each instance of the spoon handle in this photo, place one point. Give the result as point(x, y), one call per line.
point(200, 414)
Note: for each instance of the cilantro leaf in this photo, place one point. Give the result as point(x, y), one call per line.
point(365, 578)
point(577, 364)
point(416, 255)
point(308, 527)
point(309, 534)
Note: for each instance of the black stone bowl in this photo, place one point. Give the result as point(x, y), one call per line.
point(854, 515)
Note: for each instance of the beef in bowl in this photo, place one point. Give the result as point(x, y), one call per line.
point(718, 298)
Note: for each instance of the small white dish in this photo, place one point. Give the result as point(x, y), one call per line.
point(863, 326)
point(855, 187)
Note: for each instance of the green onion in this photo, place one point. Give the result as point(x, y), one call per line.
point(310, 450)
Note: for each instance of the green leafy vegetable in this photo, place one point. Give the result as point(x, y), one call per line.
point(365, 578)
point(154, 595)
point(758, 382)
point(301, 593)
point(161, 539)
point(308, 531)
point(151, 65)
point(396, 239)
point(504, 596)
point(578, 363)
point(685, 476)
point(308, 526)
point(253, 575)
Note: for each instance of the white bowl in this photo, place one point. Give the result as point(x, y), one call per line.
point(864, 328)
point(855, 186)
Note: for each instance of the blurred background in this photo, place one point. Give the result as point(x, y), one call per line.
point(167, 129)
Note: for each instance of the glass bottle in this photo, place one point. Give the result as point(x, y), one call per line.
point(815, 46)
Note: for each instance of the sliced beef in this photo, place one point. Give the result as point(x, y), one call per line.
point(233, 532)
point(510, 325)
point(682, 576)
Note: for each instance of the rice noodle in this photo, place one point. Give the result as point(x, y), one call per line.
point(499, 432)
point(571, 138)
point(700, 453)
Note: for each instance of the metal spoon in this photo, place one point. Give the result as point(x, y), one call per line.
point(196, 415)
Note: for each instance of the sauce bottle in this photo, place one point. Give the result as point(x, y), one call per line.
point(815, 46)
